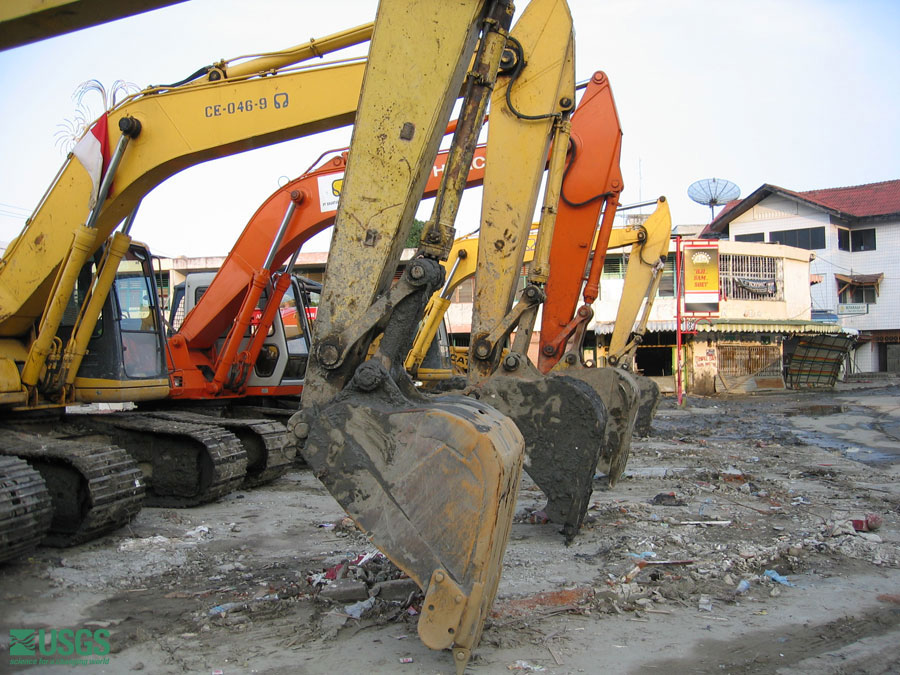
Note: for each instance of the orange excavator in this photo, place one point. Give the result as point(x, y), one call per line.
point(590, 193)
point(232, 341)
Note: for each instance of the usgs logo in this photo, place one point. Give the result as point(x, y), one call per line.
point(67, 647)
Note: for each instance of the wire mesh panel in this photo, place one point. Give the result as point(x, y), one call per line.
point(815, 360)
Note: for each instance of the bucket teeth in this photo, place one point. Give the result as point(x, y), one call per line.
point(433, 484)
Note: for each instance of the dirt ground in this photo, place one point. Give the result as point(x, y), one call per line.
point(729, 547)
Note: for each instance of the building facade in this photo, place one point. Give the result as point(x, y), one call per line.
point(853, 236)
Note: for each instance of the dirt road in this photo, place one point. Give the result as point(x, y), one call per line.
point(729, 547)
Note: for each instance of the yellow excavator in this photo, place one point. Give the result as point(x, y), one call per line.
point(561, 419)
point(592, 173)
point(78, 315)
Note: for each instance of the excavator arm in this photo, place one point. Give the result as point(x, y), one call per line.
point(171, 128)
point(649, 246)
point(432, 482)
point(590, 193)
point(530, 110)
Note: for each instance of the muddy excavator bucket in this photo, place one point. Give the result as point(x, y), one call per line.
point(620, 393)
point(648, 402)
point(562, 421)
point(433, 484)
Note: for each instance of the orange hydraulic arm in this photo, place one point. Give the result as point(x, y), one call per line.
point(590, 192)
point(285, 221)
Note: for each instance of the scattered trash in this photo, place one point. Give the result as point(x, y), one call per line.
point(224, 609)
point(800, 501)
point(705, 603)
point(153, 543)
point(742, 587)
point(643, 556)
point(538, 518)
point(406, 659)
point(524, 665)
point(732, 475)
point(667, 499)
point(357, 609)
point(546, 602)
point(705, 522)
point(199, 532)
point(871, 522)
point(774, 576)
point(218, 671)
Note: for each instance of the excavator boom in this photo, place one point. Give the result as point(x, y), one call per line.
point(432, 482)
point(180, 127)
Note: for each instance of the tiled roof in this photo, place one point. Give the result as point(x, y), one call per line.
point(872, 199)
point(854, 202)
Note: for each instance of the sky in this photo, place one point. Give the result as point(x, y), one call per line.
point(802, 94)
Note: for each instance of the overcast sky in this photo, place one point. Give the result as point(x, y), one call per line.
point(803, 94)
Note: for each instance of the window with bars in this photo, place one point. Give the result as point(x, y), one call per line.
point(751, 277)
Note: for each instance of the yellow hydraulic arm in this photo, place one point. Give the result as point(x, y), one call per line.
point(433, 482)
point(156, 133)
point(530, 111)
point(24, 21)
point(179, 127)
point(649, 246)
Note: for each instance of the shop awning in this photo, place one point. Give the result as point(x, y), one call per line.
point(847, 280)
point(786, 326)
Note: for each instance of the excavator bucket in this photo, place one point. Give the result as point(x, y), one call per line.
point(620, 393)
point(433, 484)
point(562, 421)
point(648, 402)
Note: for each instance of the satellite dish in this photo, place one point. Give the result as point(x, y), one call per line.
point(713, 192)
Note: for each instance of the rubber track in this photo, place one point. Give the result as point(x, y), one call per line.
point(115, 485)
point(224, 452)
point(25, 508)
point(275, 441)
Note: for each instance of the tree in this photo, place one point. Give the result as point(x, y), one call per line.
point(412, 241)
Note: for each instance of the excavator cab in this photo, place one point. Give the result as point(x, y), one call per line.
point(284, 354)
point(125, 351)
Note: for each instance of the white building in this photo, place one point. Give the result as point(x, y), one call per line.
point(854, 234)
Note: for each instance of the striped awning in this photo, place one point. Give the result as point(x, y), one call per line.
point(786, 326)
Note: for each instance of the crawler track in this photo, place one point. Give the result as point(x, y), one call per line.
point(94, 487)
point(25, 508)
point(269, 446)
point(185, 463)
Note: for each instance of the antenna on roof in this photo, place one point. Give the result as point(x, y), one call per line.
point(713, 192)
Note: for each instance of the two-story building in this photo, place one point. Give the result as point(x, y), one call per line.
point(853, 234)
point(764, 312)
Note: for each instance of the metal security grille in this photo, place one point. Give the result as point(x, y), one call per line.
point(751, 277)
point(742, 360)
